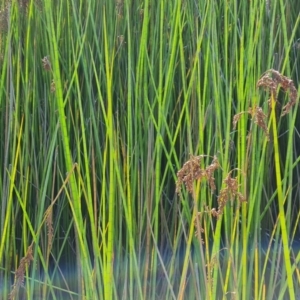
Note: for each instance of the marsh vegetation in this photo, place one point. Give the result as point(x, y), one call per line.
point(149, 149)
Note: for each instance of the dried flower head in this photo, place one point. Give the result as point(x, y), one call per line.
point(271, 80)
point(257, 115)
point(259, 118)
point(236, 118)
point(52, 87)
point(19, 275)
point(192, 171)
point(230, 191)
point(46, 63)
point(49, 224)
point(210, 170)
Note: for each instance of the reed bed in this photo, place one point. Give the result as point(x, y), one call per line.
point(149, 150)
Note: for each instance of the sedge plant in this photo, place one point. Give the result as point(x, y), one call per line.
point(101, 104)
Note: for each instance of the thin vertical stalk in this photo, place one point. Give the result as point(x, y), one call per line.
point(282, 217)
point(108, 275)
point(243, 163)
point(158, 148)
point(8, 215)
point(183, 277)
point(130, 228)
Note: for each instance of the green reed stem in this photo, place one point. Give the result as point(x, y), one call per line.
point(282, 217)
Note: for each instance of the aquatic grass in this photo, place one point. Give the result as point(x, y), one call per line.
point(114, 98)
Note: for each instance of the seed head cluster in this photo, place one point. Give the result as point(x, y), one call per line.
point(194, 169)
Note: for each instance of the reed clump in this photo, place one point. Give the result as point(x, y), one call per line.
point(136, 86)
point(192, 171)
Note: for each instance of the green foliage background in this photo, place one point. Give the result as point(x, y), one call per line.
point(101, 103)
